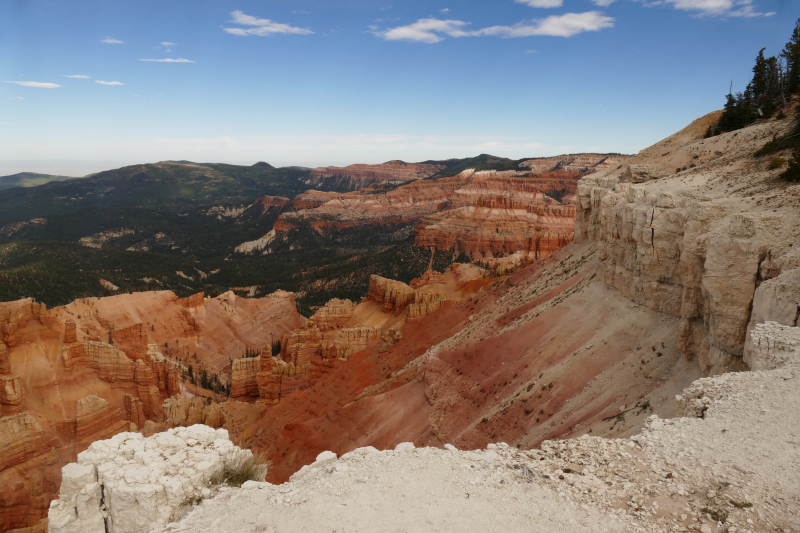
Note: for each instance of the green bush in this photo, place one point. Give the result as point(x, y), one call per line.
point(776, 162)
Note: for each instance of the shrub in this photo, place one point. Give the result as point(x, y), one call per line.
point(240, 467)
point(776, 162)
point(793, 172)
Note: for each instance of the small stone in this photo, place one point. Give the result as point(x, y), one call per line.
point(711, 494)
point(450, 448)
point(324, 458)
point(405, 447)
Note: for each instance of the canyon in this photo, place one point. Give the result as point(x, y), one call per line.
point(80, 373)
point(632, 280)
point(483, 213)
point(360, 176)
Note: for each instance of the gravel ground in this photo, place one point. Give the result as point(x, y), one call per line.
point(736, 469)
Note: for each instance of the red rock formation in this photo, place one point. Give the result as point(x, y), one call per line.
point(97, 420)
point(498, 226)
point(312, 199)
point(342, 328)
point(75, 387)
point(358, 176)
point(273, 201)
point(21, 437)
point(131, 340)
point(70, 332)
point(244, 384)
point(536, 356)
point(484, 213)
point(393, 295)
point(134, 411)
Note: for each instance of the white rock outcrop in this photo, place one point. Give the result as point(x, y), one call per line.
point(133, 484)
point(771, 345)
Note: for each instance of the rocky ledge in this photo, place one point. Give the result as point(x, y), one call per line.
point(720, 467)
point(132, 484)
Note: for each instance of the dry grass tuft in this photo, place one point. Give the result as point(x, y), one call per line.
point(240, 468)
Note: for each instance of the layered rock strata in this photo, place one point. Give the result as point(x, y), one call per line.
point(485, 213)
point(75, 374)
point(688, 245)
point(358, 176)
point(342, 328)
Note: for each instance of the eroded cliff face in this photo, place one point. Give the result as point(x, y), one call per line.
point(359, 176)
point(691, 227)
point(504, 215)
point(674, 274)
point(342, 328)
point(76, 374)
point(485, 213)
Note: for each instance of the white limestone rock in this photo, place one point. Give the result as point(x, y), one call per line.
point(404, 447)
point(771, 345)
point(130, 484)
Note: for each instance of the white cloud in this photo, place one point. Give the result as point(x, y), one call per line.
point(36, 84)
point(541, 3)
point(166, 43)
point(20, 98)
point(426, 31)
point(715, 8)
point(108, 82)
point(262, 27)
point(603, 3)
point(445, 10)
point(168, 60)
point(77, 76)
point(433, 30)
point(109, 40)
point(566, 25)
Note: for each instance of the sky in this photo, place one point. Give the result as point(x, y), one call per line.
point(91, 85)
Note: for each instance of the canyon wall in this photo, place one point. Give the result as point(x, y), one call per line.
point(683, 264)
point(696, 241)
point(76, 374)
point(342, 328)
point(359, 176)
point(486, 213)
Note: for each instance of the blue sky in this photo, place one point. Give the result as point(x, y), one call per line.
point(346, 81)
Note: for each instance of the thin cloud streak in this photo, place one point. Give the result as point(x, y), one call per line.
point(432, 30)
point(262, 27)
point(36, 84)
point(541, 3)
point(109, 40)
point(711, 8)
point(109, 82)
point(168, 60)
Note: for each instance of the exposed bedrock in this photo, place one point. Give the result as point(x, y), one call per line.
point(79, 373)
point(689, 248)
point(132, 484)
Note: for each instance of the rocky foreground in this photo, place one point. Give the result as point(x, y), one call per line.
point(730, 463)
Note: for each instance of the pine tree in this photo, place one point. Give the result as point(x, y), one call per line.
point(791, 55)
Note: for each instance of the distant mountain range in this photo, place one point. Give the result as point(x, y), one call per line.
point(177, 225)
point(29, 179)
